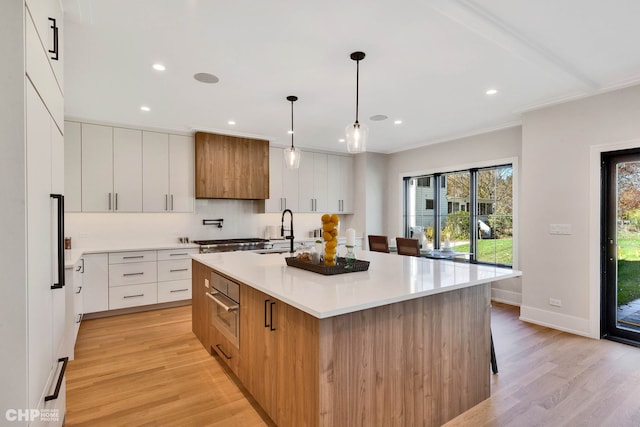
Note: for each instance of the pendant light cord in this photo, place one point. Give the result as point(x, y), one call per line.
point(357, 87)
point(292, 124)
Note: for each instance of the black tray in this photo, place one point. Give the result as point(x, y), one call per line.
point(339, 268)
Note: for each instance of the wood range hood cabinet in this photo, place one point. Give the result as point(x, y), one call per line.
point(231, 167)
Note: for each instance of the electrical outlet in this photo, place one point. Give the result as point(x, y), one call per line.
point(555, 302)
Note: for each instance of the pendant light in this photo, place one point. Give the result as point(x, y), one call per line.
point(357, 132)
point(292, 155)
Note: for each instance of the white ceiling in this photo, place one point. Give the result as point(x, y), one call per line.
point(428, 63)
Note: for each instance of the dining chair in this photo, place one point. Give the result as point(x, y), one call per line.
point(409, 247)
point(378, 243)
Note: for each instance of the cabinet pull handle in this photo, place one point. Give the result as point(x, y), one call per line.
point(266, 325)
point(133, 296)
point(222, 303)
point(178, 269)
point(133, 257)
point(222, 351)
point(60, 242)
point(179, 290)
point(271, 328)
point(82, 262)
point(179, 254)
point(109, 199)
point(54, 27)
point(166, 206)
point(79, 289)
point(172, 202)
point(80, 316)
point(116, 204)
point(55, 394)
point(133, 274)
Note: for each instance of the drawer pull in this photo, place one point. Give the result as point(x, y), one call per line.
point(55, 394)
point(178, 269)
point(79, 289)
point(133, 257)
point(179, 290)
point(133, 274)
point(80, 317)
point(133, 296)
point(222, 351)
point(184, 254)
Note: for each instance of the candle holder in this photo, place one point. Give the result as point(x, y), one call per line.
point(350, 257)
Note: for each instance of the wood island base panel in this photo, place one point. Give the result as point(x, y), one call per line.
point(421, 360)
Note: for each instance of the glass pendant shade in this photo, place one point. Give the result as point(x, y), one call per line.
point(357, 137)
point(292, 157)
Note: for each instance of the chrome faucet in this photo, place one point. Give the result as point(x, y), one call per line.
point(282, 228)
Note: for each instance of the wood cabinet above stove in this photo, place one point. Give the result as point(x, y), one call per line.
point(230, 167)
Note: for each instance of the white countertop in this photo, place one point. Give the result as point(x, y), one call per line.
point(71, 256)
point(390, 278)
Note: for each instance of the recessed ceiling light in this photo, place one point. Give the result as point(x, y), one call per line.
point(378, 117)
point(159, 67)
point(145, 108)
point(491, 91)
point(341, 140)
point(231, 122)
point(206, 78)
point(397, 122)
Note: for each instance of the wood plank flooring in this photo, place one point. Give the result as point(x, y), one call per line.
point(148, 369)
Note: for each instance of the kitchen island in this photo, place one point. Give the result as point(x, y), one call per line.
point(405, 343)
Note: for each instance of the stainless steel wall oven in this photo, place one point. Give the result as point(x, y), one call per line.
point(224, 314)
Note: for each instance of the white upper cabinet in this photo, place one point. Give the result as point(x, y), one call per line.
point(127, 170)
point(340, 183)
point(48, 19)
point(283, 184)
point(168, 166)
point(72, 167)
point(97, 168)
point(181, 173)
point(313, 182)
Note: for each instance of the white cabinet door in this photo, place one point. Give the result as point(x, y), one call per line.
point(41, 11)
point(96, 283)
point(334, 183)
point(347, 163)
point(127, 170)
point(306, 182)
point(155, 172)
point(290, 188)
point(275, 202)
point(181, 173)
point(39, 245)
point(97, 168)
point(320, 181)
point(72, 167)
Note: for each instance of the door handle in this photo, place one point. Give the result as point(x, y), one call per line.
point(266, 325)
point(55, 394)
point(54, 27)
point(60, 242)
point(271, 328)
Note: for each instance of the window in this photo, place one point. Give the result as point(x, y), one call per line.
point(429, 204)
point(470, 211)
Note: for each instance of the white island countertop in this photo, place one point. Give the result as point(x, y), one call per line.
point(390, 278)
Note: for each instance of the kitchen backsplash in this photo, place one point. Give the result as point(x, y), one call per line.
point(241, 219)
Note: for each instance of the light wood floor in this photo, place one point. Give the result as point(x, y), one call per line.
point(148, 369)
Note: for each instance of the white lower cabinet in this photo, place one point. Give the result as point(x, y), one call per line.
point(126, 279)
point(133, 295)
point(96, 283)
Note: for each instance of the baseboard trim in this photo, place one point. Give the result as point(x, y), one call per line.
point(506, 297)
point(138, 309)
point(562, 322)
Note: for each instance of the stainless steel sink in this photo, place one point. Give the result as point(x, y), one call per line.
point(273, 251)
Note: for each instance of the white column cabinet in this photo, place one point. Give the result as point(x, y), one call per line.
point(346, 175)
point(168, 172)
point(97, 168)
point(32, 309)
point(312, 178)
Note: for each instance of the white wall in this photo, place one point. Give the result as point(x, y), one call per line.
point(560, 151)
point(480, 150)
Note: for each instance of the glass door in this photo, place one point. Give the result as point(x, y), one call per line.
point(621, 246)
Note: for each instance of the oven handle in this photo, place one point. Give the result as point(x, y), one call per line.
point(221, 303)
